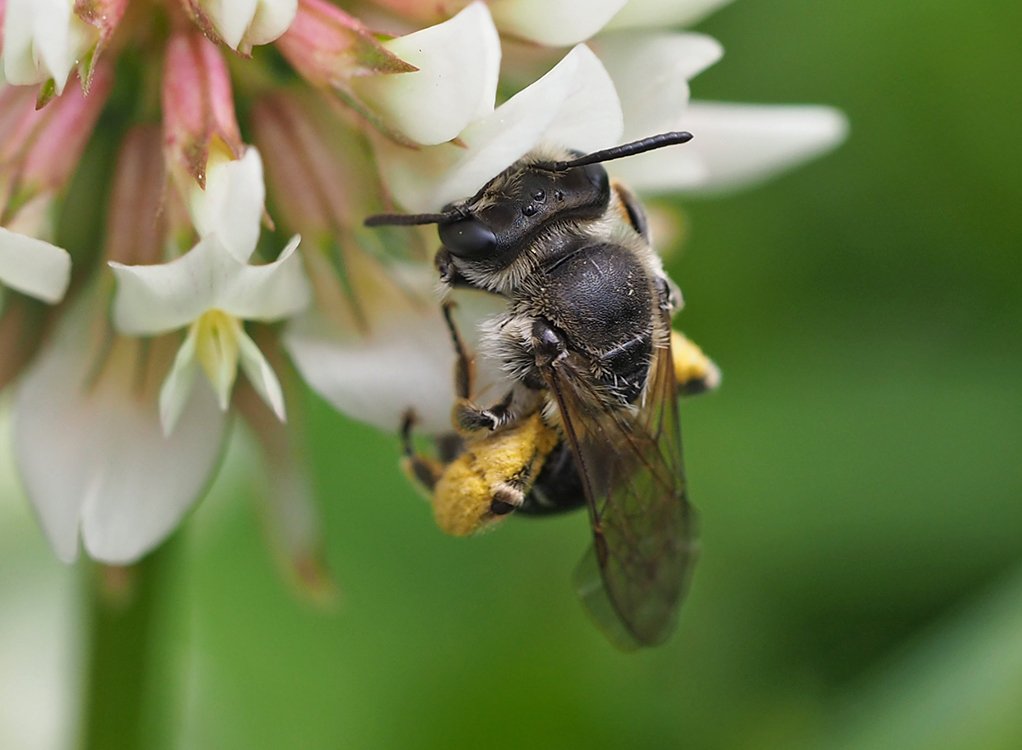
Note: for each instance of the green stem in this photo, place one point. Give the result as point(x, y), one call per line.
point(126, 698)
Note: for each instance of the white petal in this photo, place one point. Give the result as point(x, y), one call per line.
point(268, 292)
point(177, 387)
point(458, 62)
point(153, 481)
point(42, 40)
point(556, 24)
point(231, 206)
point(651, 71)
point(663, 13)
point(91, 450)
point(574, 105)
point(272, 18)
point(261, 375)
point(740, 144)
point(404, 361)
point(33, 267)
point(163, 297)
point(59, 45)
point(230, 18)
point(590, 118)
point(19, 63)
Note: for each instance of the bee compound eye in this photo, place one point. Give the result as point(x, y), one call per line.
point(468, 238)
point(597, 176)
point(501, 507)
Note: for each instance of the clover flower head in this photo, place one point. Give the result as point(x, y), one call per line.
point(129, 381)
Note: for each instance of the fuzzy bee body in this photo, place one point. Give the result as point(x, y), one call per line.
point(585, 341)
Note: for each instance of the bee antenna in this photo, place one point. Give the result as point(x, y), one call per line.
point(406, 220)
point(619, 152)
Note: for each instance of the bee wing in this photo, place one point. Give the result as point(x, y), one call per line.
point(630, 462)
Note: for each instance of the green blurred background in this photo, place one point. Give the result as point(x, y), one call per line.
point(858, 475)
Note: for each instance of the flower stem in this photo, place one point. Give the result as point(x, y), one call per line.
point(128, 681)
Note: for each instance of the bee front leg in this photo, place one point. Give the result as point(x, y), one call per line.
point(517, 404)
point(468, 417)
point(450, 276)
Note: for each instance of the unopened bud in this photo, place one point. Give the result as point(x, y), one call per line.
point(198, 106)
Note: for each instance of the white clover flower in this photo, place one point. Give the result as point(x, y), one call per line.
point(43, 40)
point(557, 24)
point(573, 105)
point(457, 61)
point(33, 267)
point(401, 358)
point(89, 446)
point(231, 205)
point(243, 24)
point(572, 21)
point(734, 144)
point(211, 292)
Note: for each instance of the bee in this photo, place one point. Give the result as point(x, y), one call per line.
point(595, 371)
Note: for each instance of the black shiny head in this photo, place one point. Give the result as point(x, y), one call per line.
point(491, 228)
point(519, 205)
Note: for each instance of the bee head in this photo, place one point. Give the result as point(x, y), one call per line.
point(517, 205)
point(490, 229)
point(582, 173)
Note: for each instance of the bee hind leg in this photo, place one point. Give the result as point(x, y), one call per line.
point(695, 372)
point(421, 469)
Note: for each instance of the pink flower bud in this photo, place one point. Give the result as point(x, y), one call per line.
point(328, 47)
point(56, 149)
point(18, 120)
point(197, 106)
point(40, 149)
